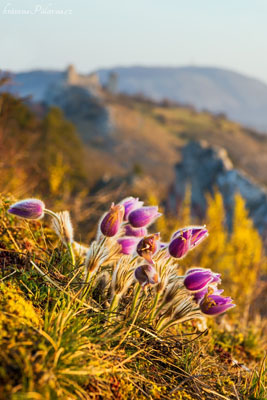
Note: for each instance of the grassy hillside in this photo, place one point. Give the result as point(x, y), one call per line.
point(57, 344)
point(150, 135)
point(133, 136)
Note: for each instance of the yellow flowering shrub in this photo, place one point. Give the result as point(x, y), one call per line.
point(237, 255)
point(243, 255)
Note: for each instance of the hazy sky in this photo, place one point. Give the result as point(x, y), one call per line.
point(100, 33)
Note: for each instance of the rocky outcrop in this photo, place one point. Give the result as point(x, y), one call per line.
point(206, 168)
point(83, 106)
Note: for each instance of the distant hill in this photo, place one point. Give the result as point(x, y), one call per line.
point(241, 98)
point(33, 83)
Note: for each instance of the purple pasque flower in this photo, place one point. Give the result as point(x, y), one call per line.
point(196, 269)
point(137, 232)
point(143, 216)
point(193, 235)
point(28, 208)
point(146, 274)
point(198, 234)
point(198, 280)
point(130, 204)
point(148, 246)
point(214, 304)
point(196, 276)
point(128, 244)
point(180, 244)
point(198, 296)
point(216, 278)
point(112, 220)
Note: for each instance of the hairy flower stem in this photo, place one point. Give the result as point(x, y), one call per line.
point(72, 256)
point(138, 308)
point(134, 302)
point(69, 245)
point(153, 310)
point(52, 214)
point(87, 287)
point(113, 306)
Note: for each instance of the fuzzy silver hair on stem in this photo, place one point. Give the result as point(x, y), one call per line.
point(63, 227)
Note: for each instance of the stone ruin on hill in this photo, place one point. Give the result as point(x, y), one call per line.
point(90, 81)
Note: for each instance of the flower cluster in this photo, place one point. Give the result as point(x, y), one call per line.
point(131, 255)
point(129, 220)
point(203, 284)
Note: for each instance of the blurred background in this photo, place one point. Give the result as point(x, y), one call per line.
point(162, 100)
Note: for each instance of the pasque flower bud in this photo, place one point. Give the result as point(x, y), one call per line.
point(196, 269)
point(180, 244)
point(130, 204)
point(28, 208)
point(143, 216)
point(111, 222)
point(198, 280)
point(216, 278)
point(63, 227)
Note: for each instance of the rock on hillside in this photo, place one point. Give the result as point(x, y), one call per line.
point(206, 168)
point(83, 108)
